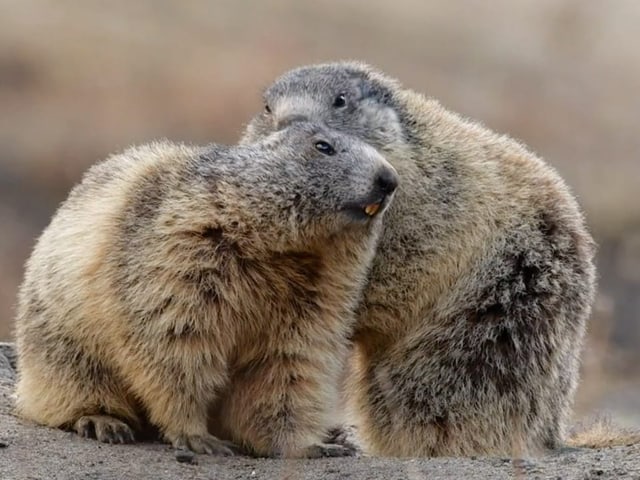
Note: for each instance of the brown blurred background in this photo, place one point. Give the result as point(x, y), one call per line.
point(82, 79)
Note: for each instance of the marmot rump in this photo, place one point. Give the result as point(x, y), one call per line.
point(174, 273)
point(469, 335)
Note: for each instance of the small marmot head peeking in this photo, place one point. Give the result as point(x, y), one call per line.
point(347, 96)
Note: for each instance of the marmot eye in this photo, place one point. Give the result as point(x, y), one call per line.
point(267, 108)
point(325, 148)
point(340, 101)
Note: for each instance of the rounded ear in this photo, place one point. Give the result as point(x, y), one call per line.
point(372, 89)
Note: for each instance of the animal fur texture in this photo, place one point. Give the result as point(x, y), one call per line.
point(470, 332)
point(183, 286)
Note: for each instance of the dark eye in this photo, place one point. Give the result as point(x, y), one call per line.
point(325, 148)
point(340, 101)
point(267, 108)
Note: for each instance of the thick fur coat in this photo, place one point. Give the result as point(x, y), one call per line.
point(470, 332)
point(184, 286)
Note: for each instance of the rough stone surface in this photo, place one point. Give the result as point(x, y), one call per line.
point(32, 452)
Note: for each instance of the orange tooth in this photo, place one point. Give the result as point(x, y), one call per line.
point(372, 209)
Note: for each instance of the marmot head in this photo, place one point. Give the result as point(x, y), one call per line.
point(301, 184)
point(347, 96)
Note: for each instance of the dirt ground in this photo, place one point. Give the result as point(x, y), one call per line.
point(32, 452)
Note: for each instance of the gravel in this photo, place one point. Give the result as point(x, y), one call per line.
point(32, 452)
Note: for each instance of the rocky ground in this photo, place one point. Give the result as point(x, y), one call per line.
point(32, 452)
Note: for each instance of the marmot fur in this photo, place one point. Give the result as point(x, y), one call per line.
point(174, 273)
point(469, 335)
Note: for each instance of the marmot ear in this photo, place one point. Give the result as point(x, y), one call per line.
point(372, 89)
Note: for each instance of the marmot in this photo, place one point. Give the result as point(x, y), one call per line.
point(471, 327)
point(173, 273)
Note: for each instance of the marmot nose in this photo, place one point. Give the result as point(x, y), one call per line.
point(289, 119)
point(386, 181)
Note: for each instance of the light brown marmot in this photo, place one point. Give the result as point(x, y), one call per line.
point(469, 336)
point(174, 273)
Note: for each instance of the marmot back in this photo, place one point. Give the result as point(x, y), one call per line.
point(469, 336)
point(174, 273)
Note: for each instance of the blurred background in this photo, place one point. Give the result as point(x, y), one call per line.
point(80, 80)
